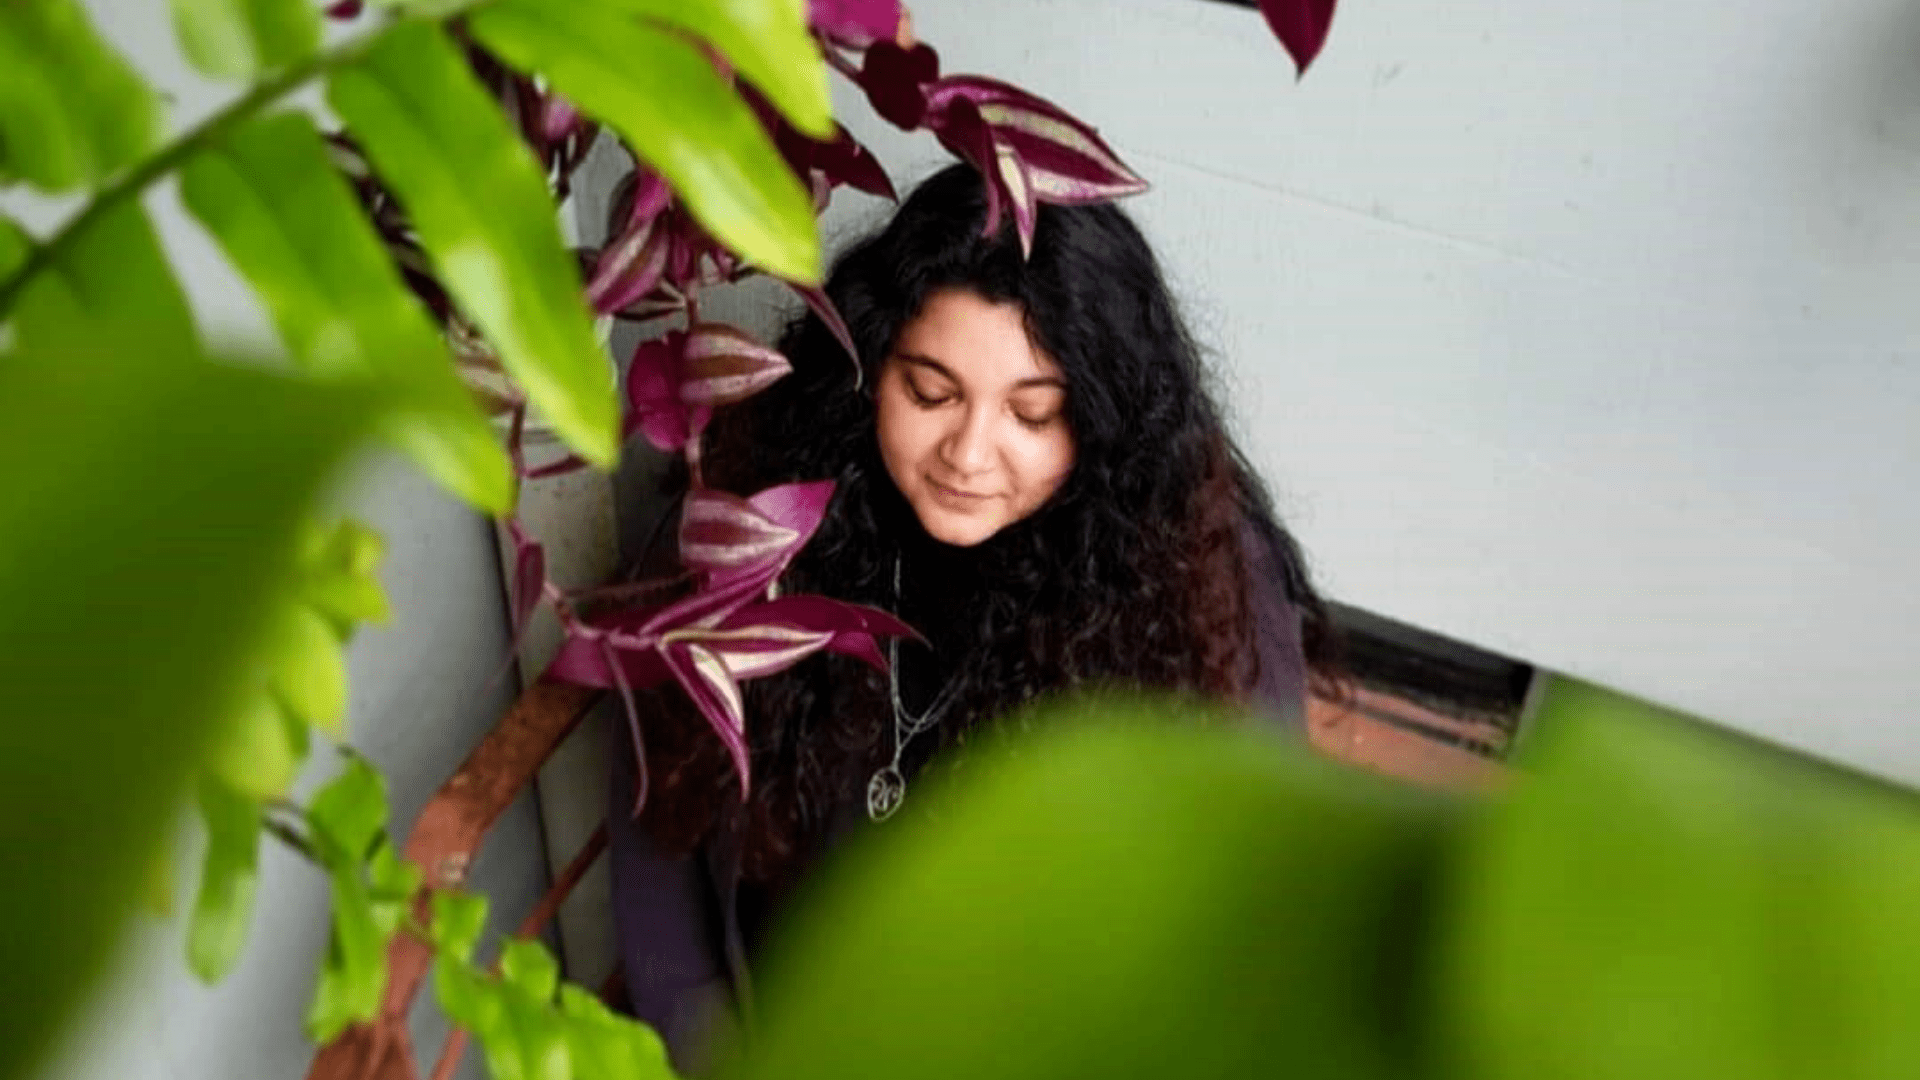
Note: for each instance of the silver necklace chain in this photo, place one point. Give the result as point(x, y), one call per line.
point(887, 787)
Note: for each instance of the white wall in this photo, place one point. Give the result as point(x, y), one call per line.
point(1583, 332)
point(421, 698)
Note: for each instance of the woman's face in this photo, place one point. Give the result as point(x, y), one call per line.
point(972, 420)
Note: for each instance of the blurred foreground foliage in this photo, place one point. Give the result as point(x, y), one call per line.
point(1140, 892)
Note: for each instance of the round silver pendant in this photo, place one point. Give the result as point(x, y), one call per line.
point(885, 792)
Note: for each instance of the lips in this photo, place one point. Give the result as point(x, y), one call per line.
point(954, 497)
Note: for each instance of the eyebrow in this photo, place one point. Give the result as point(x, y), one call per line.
point(1024, 384)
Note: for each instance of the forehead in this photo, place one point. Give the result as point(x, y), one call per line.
point(982, 343)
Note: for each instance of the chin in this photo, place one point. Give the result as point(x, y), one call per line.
point(957, 533)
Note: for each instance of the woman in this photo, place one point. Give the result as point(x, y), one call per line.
point(1029, 470)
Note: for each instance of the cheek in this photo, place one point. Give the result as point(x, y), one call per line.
point(899, 430)
point(1043, 463)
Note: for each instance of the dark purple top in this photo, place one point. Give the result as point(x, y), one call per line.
point(682, 921)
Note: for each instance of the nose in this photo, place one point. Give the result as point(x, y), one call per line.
point(968, 448)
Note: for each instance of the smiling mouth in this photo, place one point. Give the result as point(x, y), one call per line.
point(954, 493)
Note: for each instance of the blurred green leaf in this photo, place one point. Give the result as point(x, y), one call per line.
point(458, 921)
point(348, 818)
point(72, 111)
point(481, 208)
point(258, 748)
point(390, 876)
point(606, 1046)
point(156, 894)
point(243, 39)
point(353, 974)
point(468, 998)
point(514, 1016)
point(111, 283)
point(15, 246)
point(666, 100)
point(268, 194)
point(309, 675)
point(1142, 890)
point(339, 574)
point(229, 876)
point(526, 963)
point(349, 813)
point(767, 41)
point(536, 1044)
point(1662, 900)
point(128, 603)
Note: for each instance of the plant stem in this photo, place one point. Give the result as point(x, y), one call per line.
point(292, 838)
point(135, 182)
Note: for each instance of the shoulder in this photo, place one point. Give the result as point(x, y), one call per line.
point(1281, 690)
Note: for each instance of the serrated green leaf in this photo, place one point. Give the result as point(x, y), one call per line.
point(539, 1041)
point(767, 41)
point(607, 1046)
point(666, 100)
point(353, 975)
point(349, 813)
point(339, 578)
point(72, 111)
point(458, 921)
point(134, 580)
point(284, 216)
point(348, 818)
point(481, 209)
point(244, 39)
point(390, 876)
point(308, 674)
point(111, 285)
point(260, 749)
point(526, 964)
point(468, 998)
point(229, 876)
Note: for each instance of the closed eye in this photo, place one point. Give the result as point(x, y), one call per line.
point(924, 399)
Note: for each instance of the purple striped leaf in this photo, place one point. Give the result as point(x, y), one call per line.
point(962, 130)
point(824, 163)
point(726, 632)
point(799, 507)
point(1065, 158)
point(822, 305)
point(723, 365)
point(634, 260)
point(825, 614)
point(586, 659)
point(860, 645)
point(655, 407)
point(857, 23)
point(704, 676)
point(895, 80)
point(529, 577)
point(723, 535)
point(855, 628)
point(847, 161)
point(1027, 149)
point(1301, 26)
point(752, 651)
point(629, 268)
point(558, 118)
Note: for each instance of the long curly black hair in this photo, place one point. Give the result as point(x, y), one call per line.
point(1132, 574)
